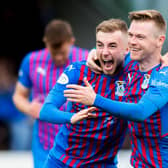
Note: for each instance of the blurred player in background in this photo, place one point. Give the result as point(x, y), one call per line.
point(92, 142)
point(148, 126)
point(20, 125)
point(38, 73)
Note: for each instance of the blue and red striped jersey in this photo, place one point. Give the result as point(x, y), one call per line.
point(145, 136)
point(39, 73)
point(94, 142)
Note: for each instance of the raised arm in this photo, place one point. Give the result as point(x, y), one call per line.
point(155, 98)
point(50, 110)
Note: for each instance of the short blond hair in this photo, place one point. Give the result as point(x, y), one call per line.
point(112, 25)
point(149, 15)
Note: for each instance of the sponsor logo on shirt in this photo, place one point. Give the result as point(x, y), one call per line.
point(145, 81)
point(41, 71)
point(159, 83)
point(120, 88)
point(163, 72)
point(70, 67)
point(63, 79)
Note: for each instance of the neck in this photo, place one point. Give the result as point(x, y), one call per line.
point(149, 63)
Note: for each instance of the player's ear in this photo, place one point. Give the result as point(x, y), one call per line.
point(161, 40)
point(45, 42)
point(44, 39)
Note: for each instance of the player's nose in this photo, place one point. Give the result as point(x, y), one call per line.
point(105, 52)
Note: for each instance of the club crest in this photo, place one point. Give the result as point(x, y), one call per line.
point(145, 81)
point(120, 88)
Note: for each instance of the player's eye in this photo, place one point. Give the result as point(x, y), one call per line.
point(130, 35)
point(112, 46)
point(140, 37)
point(99, 45)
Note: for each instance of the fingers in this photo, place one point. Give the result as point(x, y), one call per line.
point(83, 117)
point(86, 82)
point(72, 96)
point(92, 57)
point(91, 115)
point(92, 65)
point(73, 86)
point(90, 109)
point(83, 114)
point(87, 113)
point(76, 118)
point(72, 91)
point(95, 56)
point(73, 100)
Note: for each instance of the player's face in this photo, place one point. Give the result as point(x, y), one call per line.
point(142, 39)
point(60, 55)
point(111, 49)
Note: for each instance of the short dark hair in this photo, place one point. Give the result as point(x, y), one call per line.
point(149, 15)
point(112, 25)
point(57, 32)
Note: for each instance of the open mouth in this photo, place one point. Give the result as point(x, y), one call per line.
point(108, 64)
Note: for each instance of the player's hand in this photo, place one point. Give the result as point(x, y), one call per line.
point(81, 94)
point(92, 57)
point(164, 60)
point(83, 114)
point(34, 108)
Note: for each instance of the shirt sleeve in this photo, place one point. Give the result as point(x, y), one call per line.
point(158, 90)
point(130, 111)
point(24, 74)
point(50, 110)
point(154, 99)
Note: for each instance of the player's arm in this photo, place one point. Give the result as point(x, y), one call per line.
point(22, 102)
point(129, 111)
point(154, 99)
point(50, 110)
point(22, 91)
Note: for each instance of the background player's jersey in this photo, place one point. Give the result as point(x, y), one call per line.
point(39, 73)
point(92, 142)
point(145, 136)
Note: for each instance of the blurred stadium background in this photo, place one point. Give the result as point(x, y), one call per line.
point(22, 24)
